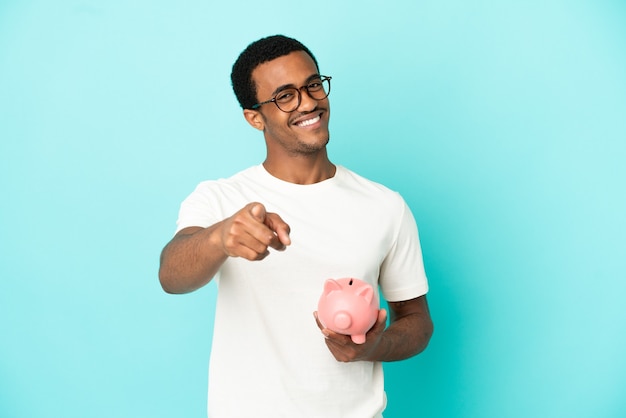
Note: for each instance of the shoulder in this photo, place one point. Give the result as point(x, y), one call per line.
point(367, 187)
point(213, 200)
point(232, 183)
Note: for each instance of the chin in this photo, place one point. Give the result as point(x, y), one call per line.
point(308, 148)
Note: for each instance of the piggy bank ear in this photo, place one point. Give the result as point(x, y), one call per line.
point(367, 293)
point(331, 285)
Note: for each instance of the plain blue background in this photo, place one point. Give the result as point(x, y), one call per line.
point(502, 124)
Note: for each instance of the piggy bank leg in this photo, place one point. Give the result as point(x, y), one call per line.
point(358, 339)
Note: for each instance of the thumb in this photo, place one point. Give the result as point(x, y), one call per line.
point(381, 321)
point(382, 315)
point(258, 212)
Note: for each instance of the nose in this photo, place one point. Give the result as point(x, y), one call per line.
point(307, 103)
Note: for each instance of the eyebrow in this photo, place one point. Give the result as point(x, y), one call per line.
point(292, 86)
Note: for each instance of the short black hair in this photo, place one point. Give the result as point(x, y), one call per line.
point(255, 54)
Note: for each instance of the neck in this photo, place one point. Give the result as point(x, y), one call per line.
point(301, 170)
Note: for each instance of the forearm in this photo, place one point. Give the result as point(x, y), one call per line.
point(404, 338)
point(189, 261)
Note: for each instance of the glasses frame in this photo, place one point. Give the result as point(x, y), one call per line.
point(298, 89)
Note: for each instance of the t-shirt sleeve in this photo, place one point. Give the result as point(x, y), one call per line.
point(198, 209)
point(402, 275)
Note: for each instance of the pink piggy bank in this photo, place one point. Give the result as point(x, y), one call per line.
point(348, 306)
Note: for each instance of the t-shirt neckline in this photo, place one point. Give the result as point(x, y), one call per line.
point(267, 177)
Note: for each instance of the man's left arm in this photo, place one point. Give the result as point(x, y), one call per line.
point(408, 334)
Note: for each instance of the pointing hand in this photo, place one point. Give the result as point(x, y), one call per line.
point(250, 232)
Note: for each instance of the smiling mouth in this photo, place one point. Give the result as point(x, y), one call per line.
point(309, 122)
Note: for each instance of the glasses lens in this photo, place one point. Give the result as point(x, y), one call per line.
point(288, 100)
point(319, 89)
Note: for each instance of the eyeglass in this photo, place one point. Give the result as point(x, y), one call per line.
point(288, 100)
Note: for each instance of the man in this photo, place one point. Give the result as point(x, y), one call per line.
point(273, 234)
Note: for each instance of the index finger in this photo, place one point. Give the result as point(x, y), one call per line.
point(281, 230)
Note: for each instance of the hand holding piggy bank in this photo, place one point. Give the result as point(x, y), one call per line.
point(348, 306)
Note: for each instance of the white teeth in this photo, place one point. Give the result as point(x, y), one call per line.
point(309, 121)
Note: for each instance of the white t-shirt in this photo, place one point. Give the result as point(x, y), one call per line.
point(269, 358)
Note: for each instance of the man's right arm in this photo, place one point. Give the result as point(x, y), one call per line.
point(191, 259)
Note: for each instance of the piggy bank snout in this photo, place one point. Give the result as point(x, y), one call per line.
point(342, 320)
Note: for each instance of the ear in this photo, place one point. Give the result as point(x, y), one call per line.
point(366, 292)
point(254, 118)
point(331, 285)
